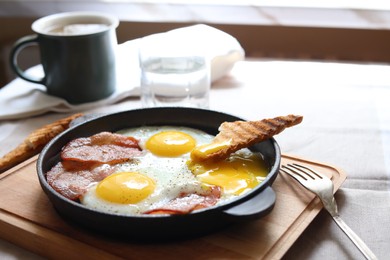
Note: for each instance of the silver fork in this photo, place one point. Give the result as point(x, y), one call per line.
point(322, 186)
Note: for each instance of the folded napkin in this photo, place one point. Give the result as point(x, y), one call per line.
point(21, 99)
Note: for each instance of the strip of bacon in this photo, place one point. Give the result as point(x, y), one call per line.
point(73, 184)
point(102, 148)
point(189, 202)
point(90, 159)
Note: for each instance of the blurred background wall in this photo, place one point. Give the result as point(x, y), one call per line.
point(341, 34)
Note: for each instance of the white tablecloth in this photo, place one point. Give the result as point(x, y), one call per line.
point(346, 123)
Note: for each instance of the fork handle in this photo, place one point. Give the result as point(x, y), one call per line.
point(354, 238)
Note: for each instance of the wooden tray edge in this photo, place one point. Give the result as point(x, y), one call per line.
point(280, 248)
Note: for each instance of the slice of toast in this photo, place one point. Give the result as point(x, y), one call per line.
point(35, 142)
point(234, 136)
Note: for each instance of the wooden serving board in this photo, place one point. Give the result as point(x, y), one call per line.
point(28, 219)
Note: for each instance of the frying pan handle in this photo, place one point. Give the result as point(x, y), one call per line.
point(255, 207)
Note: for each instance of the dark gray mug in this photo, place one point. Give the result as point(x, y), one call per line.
point(77, 51)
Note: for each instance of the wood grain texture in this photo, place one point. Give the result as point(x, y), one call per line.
point(28, 219)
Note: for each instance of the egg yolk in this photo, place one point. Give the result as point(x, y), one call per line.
point(235, 175)
point(202, 151)
point(125, 187)
point(170, 143)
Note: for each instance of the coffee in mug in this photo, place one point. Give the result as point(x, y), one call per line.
point(77, 51)
point(77, 29)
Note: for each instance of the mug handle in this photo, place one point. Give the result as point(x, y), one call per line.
point(16, 49)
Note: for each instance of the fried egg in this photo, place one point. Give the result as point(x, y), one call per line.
point(164, 171)
point(240, 173)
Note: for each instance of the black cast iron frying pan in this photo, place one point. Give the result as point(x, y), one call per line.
point(252, 205)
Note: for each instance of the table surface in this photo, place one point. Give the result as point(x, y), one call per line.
point(346, 124)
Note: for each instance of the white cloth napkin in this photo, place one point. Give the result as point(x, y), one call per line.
point(21, 99)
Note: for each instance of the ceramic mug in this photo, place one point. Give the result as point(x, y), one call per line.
point(77, 51)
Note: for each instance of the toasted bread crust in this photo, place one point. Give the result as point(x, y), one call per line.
point(34, 142)
point(241, 134)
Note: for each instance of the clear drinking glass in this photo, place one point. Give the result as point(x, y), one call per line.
point(174, 72)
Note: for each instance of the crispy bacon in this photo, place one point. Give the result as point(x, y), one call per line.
point(72, 184)
point(102, 148)
point(187, 203)
point(90, 159)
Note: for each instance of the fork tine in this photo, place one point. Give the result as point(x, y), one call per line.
point(319, 175)
point(307, 171)
point(300, 170)
point(293, 172)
